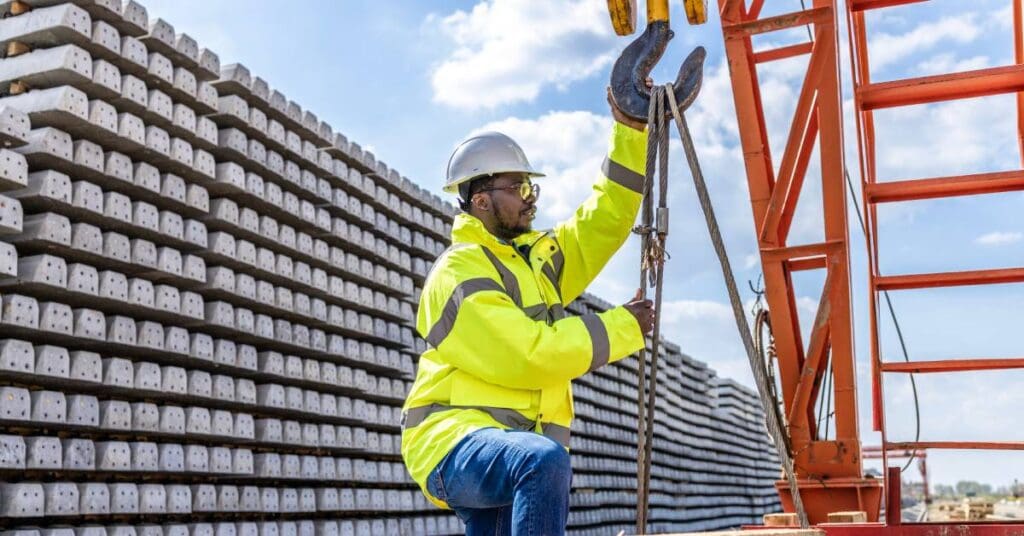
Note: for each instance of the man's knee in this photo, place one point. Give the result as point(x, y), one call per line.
point(550, 458)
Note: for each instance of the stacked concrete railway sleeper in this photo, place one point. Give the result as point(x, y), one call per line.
point(207, 304)
point(711, 468)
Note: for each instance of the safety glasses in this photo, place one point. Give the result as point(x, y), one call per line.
point(526, 190)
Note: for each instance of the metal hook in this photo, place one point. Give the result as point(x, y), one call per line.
point(629, 75)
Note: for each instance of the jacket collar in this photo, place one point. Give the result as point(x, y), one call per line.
point(469, 229)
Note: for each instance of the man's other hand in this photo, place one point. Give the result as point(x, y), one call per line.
point(623, 118)
point(643, 311)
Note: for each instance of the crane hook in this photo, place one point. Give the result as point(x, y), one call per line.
point(629, 75)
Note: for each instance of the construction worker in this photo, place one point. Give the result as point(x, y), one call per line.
point(486, 424)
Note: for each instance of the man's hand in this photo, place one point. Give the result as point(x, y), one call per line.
point(623, 118)
point(643, 311)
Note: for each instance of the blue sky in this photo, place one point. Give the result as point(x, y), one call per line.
point(410, 79)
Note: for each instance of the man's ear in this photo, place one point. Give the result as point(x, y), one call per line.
point(481, 202)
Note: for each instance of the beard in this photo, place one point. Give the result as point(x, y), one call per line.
point(510, 225)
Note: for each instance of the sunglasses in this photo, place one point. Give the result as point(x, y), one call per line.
point(526, 190)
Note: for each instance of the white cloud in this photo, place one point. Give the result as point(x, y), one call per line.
point(507, 51)
point(887, 49)
point(948, 63)
point(998, 238)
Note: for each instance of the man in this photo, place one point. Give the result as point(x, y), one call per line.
point(486, 424)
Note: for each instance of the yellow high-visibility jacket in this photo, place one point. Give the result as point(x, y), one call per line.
point(501, 349)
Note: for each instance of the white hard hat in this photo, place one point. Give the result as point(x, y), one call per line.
point(485, 154)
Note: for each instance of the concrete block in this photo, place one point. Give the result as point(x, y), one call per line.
point(145, 456)
point(225, 351)
point(282, 330)
point(270, 503)
point(292, 432)
point(245, 320)
point(200, 383)
point(270, 395)
point(267, 465)
point(48, 407)
point(197, 460)
point(56, 318)
point(83, 410)
point(289, 499)
point(223, 387)
point(249, 501)
point(193, 267)
point(113, 456)
point(221, 423)
point(118, 372)
point(83, 279)
point(171, 459)
point(173, 380)
point(157, 140)
point(152, 499)
point(206, 97)
point(309, 468)
point(166, 298)
point(115, 415)
point(204, 499)
point(227, 501)
point(161, 67)
point(21, 500)
point(241, 462)
point(17, 356)
point(294, 398)
point(121, 329)
point(220, 461)
point(149, 335)
point(41, 452)
point(179, 501)
point(285, 267)
point(172, 420)
point(267, 430)
point(168, 260)
point(124, 498)
point(176, 340)
point(145, 416)
point(116, 246)
point(311, 401)
point(182, 152)
point(201, 346)
point(201, 529)
point(198, 421)
point(196, 234)
point(310, 435)
point(13, 452)
point(150, 530)
point(79, 454)
point(147, 376)
point(184, 82)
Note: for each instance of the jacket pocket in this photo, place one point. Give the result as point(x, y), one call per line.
point(468, 390)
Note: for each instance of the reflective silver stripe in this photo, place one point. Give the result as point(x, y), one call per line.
point(507, 277)
point(504, 416)
point(537, 312)
point(541, 311)
point(463, 290)
point(550, 273)
point(598, 340)
point(557, 432)
point(623, 175)
point(558, 259)
point(557, 312)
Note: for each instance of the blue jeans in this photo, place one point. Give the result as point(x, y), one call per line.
point(506, 482)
